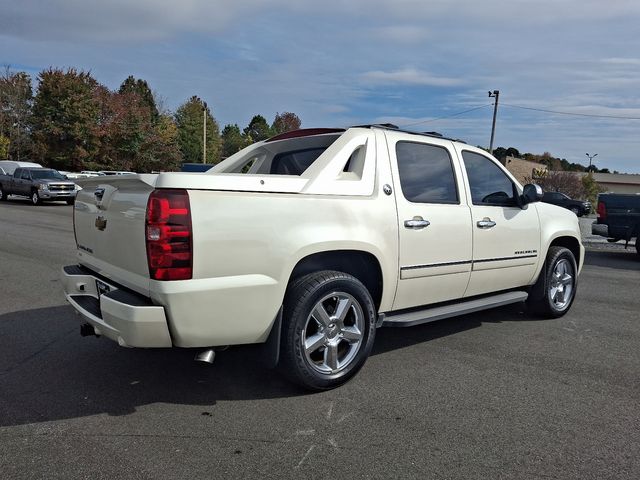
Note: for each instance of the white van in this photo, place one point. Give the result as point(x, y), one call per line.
point(9, 166)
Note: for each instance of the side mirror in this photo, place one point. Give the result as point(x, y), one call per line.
point(531, 193)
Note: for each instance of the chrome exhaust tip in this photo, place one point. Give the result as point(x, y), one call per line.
point(206, 356)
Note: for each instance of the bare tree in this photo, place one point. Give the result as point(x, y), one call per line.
point(569, 183)
point(16, 101)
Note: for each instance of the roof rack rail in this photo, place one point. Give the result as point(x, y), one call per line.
point(390, 126)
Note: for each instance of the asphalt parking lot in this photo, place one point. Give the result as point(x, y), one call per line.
point(492, 395)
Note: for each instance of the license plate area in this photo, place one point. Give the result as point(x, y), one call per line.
point(102, 288)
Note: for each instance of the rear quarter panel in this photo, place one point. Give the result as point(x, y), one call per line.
point(247, 244)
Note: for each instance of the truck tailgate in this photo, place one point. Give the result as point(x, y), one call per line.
point(109, 219)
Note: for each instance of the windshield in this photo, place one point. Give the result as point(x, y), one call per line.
point(46, 174)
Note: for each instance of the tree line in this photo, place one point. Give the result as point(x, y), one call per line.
point(72, 122)
point(551, 162)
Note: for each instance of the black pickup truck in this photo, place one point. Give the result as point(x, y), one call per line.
point(618, 217)
point(578, 207)
point(38, 184)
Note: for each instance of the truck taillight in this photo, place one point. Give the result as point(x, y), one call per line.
point(168, 235)
point(602, 211)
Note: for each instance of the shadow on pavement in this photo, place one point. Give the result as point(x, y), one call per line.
point(625, 259)
point(49, 372)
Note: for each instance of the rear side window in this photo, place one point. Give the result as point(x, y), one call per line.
point(294, 163)
point(489, 185)
point(426, 173)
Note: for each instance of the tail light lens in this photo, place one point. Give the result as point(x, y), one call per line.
point(169, 235)
point(602, 211)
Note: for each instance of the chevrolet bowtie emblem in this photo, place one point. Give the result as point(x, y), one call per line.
point(101, 223)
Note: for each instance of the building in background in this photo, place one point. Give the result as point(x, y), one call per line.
point(618, 182)
point(526, 171)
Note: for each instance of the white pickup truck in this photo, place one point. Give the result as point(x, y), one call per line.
point(309, 241)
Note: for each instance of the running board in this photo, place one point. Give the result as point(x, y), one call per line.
point(433, 314)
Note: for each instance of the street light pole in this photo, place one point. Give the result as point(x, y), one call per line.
point(496, 94)
point(591, 157)
point(204, 133)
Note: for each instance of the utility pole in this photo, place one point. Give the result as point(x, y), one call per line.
point(204, 132)
point(591, 157)
point(496, 94)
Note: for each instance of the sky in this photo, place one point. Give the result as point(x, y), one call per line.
point(426, 65)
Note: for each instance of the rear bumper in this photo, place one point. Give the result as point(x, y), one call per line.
point(121, 315)
point(600, 229)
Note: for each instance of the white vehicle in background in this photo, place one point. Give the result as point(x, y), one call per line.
point(9, 166)
point(115, 172)
point(309, 241)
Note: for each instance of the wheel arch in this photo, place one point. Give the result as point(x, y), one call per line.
point(572, 243)
point(361, 264)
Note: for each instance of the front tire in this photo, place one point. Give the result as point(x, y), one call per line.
point(35, 198)
point(576, 210)
point(328, 329)
point(3, 197)
point(555, 290)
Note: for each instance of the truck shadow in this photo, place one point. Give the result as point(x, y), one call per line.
point(618, 259)
point(389, 339)
point(15, 200)
point(49, 372)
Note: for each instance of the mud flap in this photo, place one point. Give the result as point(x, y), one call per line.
point(536, 292)
point(270, 350)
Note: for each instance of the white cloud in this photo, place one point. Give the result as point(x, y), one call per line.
point(262, 56)
point(409, 76)
point(622, 61)
point(143, 20)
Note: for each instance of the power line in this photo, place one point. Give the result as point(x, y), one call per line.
point(447, 116)
point(569, 113)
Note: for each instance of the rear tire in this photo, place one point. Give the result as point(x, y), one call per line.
point(555, 289)
point(3, 197)
point(35, 198)
point(328, 329)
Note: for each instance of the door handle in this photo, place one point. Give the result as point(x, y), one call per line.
point(486, 222)
point(416, 223)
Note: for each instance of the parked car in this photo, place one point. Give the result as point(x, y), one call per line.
point(578, 207)
point(38, 184)
point(115, 172)
point(618, 217)
point(309, 241)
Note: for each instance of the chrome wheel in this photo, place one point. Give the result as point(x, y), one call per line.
point(561, 284)
point(35, 198)
point(333, 333)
